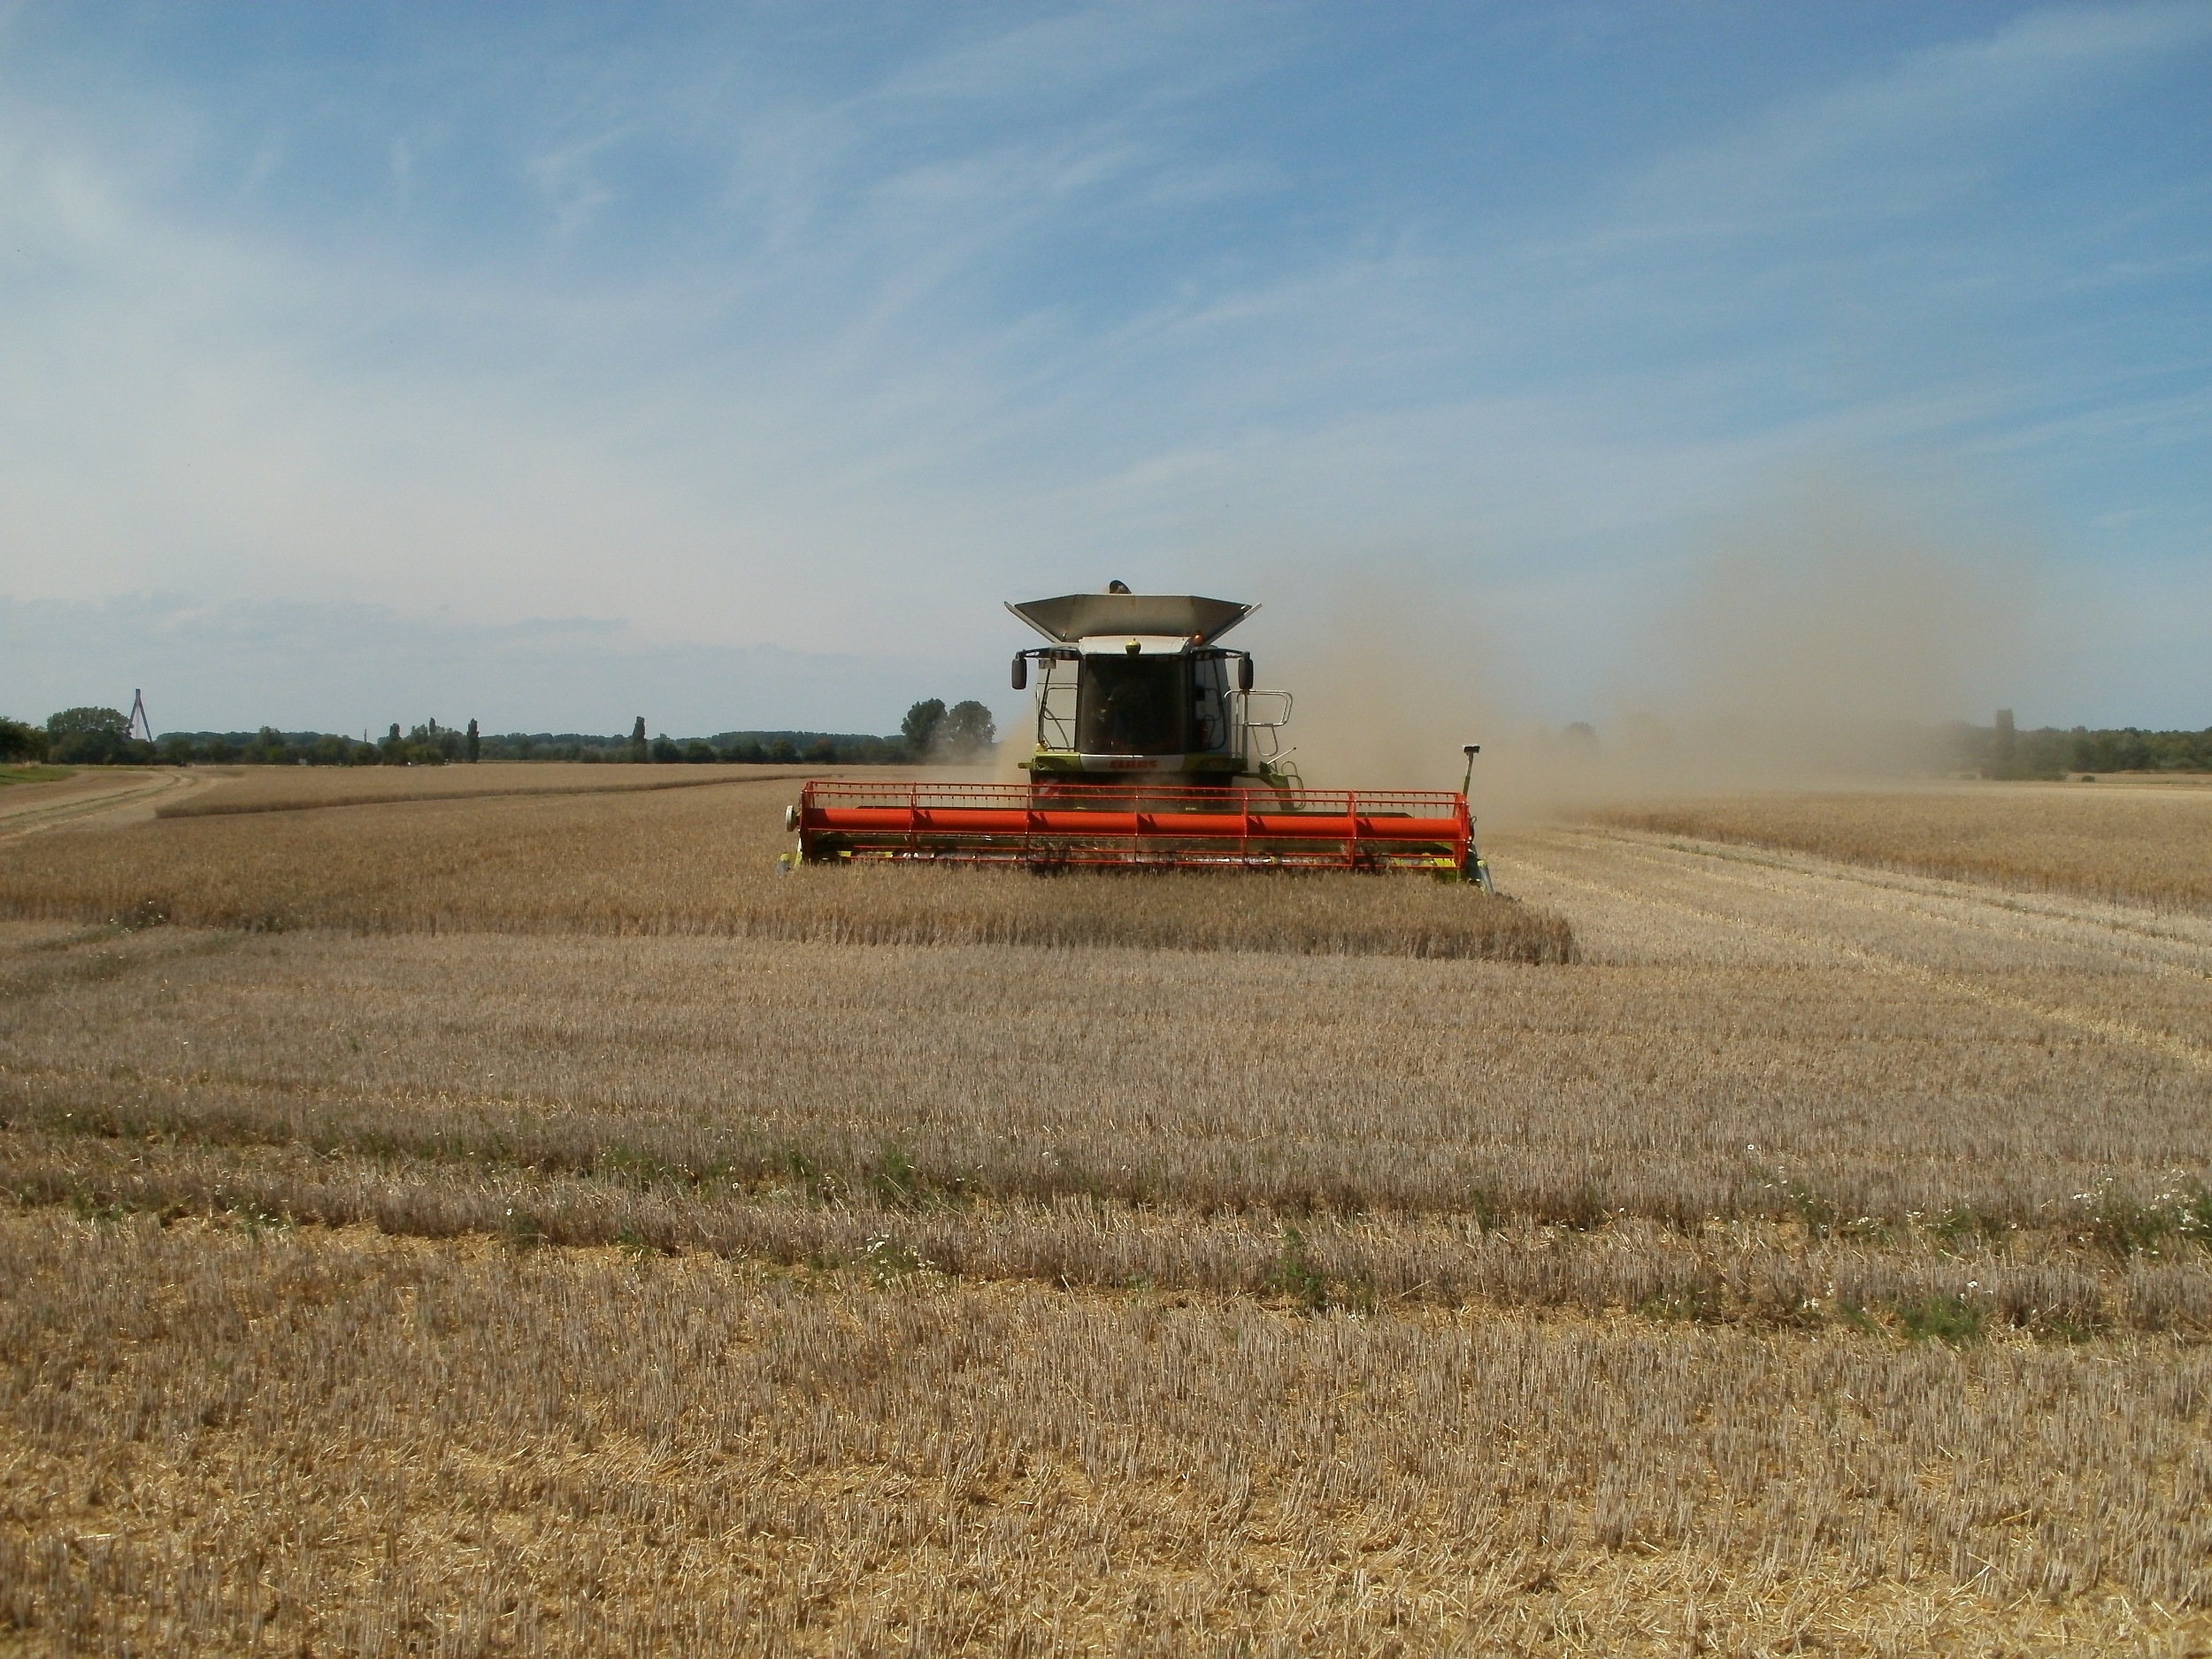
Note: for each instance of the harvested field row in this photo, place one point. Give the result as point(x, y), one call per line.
point(2142, 987)
point(1825, 908)
point(2113, 1266)
point(2144, 845)
point(314, 1441)
point(703, 861)
point(1343, 1084)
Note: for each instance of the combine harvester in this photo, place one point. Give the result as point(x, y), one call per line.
point(1153, 752)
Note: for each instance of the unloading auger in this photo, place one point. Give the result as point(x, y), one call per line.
point(1153, 751)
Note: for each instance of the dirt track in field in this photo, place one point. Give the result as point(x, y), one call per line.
point(102, 800)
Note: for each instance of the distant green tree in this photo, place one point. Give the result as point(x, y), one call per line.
point(699, 749)
point(476, 745)
point(968, 733)
point(2012, 753)
point(919, 730)
point(91, 737)
point(19, 740)
point(88, 722)
point(431, 744)
point(427, 746)
point(664, 748)
point(639, 748)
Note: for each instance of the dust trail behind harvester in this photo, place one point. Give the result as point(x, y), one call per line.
point(1817, 642)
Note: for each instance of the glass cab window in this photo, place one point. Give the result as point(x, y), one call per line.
point(1208, 705)
point(1153, 705)
point(1132, 705)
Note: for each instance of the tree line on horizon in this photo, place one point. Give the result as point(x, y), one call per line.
point(931, 733)
point(2001, 750)
point(963, 733)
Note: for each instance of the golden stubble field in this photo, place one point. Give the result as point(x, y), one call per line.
point(485, 1221)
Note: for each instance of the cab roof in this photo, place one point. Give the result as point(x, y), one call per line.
point(1184, 617)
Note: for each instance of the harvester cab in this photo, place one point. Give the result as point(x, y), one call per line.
point(1133, 687)
point(1153, 751)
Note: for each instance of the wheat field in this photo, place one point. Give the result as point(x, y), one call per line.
point(498, 1225)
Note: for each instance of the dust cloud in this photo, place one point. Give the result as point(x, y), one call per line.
point(1825, 637)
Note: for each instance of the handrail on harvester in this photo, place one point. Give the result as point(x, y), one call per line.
point(1047, 825)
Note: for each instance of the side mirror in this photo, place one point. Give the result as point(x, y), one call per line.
point(1244, 674)
point(1021, 672)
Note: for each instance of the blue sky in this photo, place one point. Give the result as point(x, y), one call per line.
point(733, 363)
